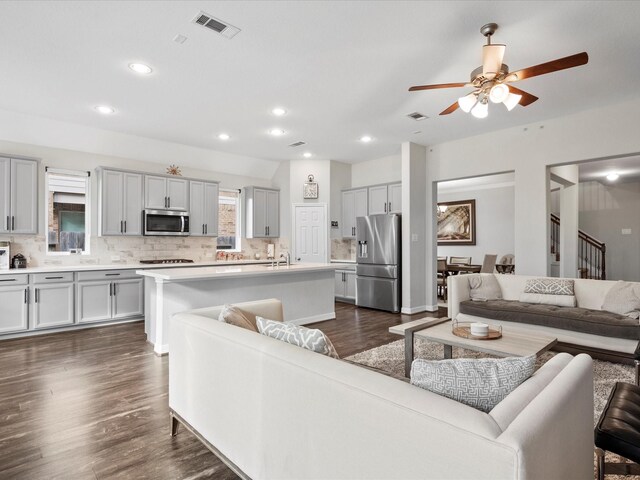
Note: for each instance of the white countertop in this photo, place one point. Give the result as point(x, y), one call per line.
point(87, 267)
point(178, 274)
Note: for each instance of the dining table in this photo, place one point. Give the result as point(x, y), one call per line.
point(455, 269)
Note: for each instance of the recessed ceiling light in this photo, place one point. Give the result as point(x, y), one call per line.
point(104, 109)
point(306, 154)
point(279, 111)
point(223, 136)
point(141, 68)
point(276, 132)
point(612, 177)
point(366, 139)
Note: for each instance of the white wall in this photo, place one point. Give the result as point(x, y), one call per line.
point(494, 223)
point(380, 170)
point(529, 150)
point(604, 211)
point(340, 180)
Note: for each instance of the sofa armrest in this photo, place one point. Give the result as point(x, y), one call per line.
point(458, 291)
point(270, 308)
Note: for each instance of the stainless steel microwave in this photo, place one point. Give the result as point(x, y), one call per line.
point(165, 222)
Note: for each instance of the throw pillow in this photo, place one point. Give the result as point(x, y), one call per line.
point(623, 299)
point(236, 316)
point(311, 339)
point(547, 299)
point(484, 287)
point(479, 383)
point(549, 286)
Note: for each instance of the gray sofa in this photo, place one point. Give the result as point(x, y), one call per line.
point(585, 327)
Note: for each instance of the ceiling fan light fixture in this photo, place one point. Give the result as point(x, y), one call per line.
point(499, 93)
point(481, 110)
point(467, 102)
point(511, 101)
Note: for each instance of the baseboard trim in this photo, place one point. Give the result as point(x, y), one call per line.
point(313, 319)
point(412, 310)
point(67, 329)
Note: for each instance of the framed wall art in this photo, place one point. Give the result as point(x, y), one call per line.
point(457, 222)
point(310, 188)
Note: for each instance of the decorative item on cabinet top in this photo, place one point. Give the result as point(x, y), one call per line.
point(174, 170)
point(310, 188)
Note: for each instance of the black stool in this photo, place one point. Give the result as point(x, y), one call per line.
point(618, 430)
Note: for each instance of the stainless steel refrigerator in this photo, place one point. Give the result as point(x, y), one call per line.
point(378, 262)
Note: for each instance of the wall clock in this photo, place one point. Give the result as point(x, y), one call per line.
point(310, 189)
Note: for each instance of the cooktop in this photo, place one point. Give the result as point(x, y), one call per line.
point(167, 260)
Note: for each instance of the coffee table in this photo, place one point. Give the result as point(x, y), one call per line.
point(513, 343)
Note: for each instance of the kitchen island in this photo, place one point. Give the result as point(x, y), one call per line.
point(306, 292)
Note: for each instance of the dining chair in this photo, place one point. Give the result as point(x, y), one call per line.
point(459, 260)
point(442, 277)
point(489, 263)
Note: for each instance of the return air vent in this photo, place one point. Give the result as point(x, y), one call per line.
point(215, 24)
point(298, 144)
point(417, 116)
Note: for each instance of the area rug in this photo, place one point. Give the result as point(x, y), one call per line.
point(390, 358)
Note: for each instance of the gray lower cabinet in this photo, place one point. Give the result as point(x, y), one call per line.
point(345, 285)
point(109, 295)
point(52, 305)
point(14, 303)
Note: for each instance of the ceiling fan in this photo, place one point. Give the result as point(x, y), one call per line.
point(492, 81)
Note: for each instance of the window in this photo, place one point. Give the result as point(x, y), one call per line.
point(229, 220)
point(67, 211)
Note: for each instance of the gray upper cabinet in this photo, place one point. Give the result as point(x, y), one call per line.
point(203, 209)
point(163, 192)
point(18, 196)
point(121, 203)
point(354, 204)
point(262, 212)
point(385, 199)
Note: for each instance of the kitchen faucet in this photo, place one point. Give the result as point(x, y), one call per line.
point(287, 257)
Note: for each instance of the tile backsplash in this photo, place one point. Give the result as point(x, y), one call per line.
point(123, 250)
point(343, 249)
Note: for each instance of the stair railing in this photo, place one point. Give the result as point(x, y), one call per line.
point(592, 252)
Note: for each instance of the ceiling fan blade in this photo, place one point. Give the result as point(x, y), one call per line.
point(492, 56)
point(527, 98)
point(437, 85)
point(549, 67)
point(452, 108)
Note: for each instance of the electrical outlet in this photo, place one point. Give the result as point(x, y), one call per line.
point(414, 237)
point(626, 231)
point(115, 258)
point(208, 254)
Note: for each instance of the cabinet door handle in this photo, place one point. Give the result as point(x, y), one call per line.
point(169, 201)
point(114, 289)
point(13, 223)
point(125, 226)
point(26, 295)
point(7, 279)
point(37, 294)
point(111, 274)
point(389, 207)
point(120, 226)
point(8, 223)
point(53, 278)
point(206, 229)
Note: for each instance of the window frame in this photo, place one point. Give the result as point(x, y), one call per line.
point(238, 201)
point(87, 209)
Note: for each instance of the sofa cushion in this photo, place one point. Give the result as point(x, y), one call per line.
point(479, 383)
point(236, 316)
point(484, 287)
point(549, 286)
point(311, 339)
point(548, 299)
point(624, 299)
point(595, 322)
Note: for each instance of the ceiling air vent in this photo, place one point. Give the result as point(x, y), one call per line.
point(417, 116)
point(217, 25)
point(298, 144)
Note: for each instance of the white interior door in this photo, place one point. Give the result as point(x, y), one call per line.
point(310, 233)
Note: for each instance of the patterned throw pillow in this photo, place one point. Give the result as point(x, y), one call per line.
point(479, 383)
point(236, 316)
point(549, 286)
point(484, 287)
point(623, 299)
point(311, 339)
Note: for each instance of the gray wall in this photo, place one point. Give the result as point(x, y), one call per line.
point(494, 223)
point(604, 212)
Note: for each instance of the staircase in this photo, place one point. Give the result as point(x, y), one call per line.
point(591, 252)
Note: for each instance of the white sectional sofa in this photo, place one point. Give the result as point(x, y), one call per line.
point(271, 410)
point(614, 343)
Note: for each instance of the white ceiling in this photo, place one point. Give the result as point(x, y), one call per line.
point(342, 69)
point(627, 167)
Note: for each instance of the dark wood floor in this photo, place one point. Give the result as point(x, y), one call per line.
point(92, 404)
